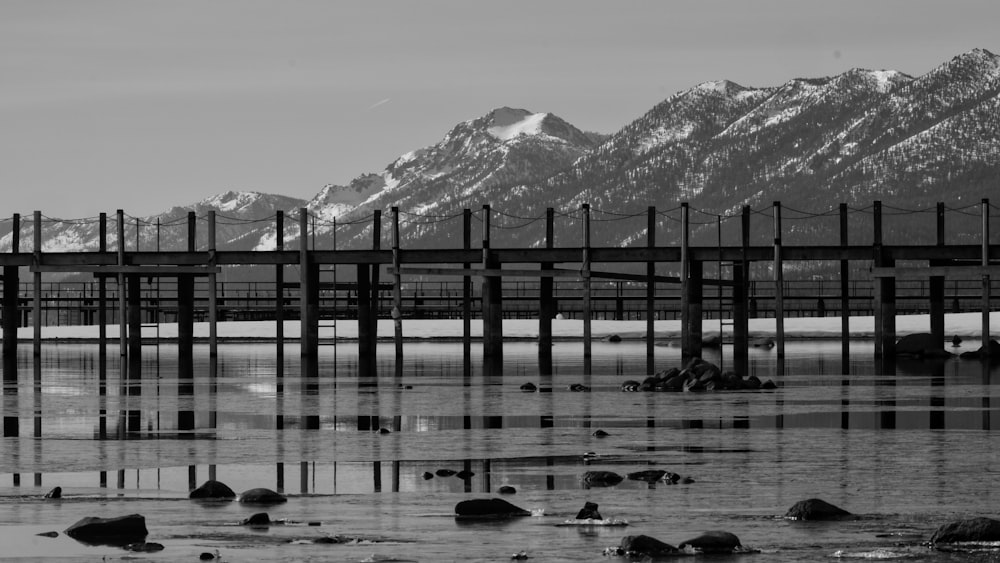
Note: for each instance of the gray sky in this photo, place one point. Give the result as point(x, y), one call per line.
point(142, 105)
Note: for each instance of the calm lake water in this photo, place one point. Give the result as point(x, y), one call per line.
point(907, 447)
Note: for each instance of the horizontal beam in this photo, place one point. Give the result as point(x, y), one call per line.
point(922, 273)
point(141, 270)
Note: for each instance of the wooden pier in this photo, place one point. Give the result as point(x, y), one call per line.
point(584, 266)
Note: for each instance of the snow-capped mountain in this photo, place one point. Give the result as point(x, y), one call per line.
point(810, 143)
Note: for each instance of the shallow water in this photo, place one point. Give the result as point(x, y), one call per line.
point(907, 447)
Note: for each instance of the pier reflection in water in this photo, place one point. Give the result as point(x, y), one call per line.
point(903, 437)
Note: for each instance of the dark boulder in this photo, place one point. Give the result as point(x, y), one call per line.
point(713, 542)
point(763, 342)
point(921, 345)
point(262, 495)
point(612, 338)
point(529, 387)
point(649, 384)
point(630, 385)
point(579, 388)
point(55, 493)
point(645, 546)
point(119, 531)
point(674, 383)
point(968, 530)
point(428, 475)
point(815, 509)
point(213, 490)
point(49, 534)
point(488, 508)
point(649, 475)
point(769, 385)
point(589, 512)
point(711, 341)
point(465, 475)
point(600, 434)
point(507, 490)
point(990, 351)
point(260, 519)
point(444, 472)
point(600, 479)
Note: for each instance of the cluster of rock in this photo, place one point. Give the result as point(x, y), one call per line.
point(926, 346)
point(713, 542)
point(697, 375)
point(610, 478)
point(463, 474)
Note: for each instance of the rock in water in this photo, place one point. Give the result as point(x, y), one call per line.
point(213, 490)
point(645, 546)
point(507, 490)
point(144, 547)
point(713, 542)
point(971, 529)
point(259, 519)
point(488, 508)
point(815, 509)
point(120, 531)
point(54, 493)
point(649, 475)
point(589, 512)
point(262, 495)
point(601, 478)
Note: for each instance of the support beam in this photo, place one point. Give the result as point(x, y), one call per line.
point(986, 275)
point(779, 283)
point(650, 292)
point(308, 294)
point(36, 300)
point(585, 278)
point(279, 289)
point(466, 288)
point(185, 310)
point(492, 298)
point(885, 294)
point(692, 294)
point(937, 285)
point(213, 299)
point(134, 315)
point(546, 302)
point(397, 288)
point(845, 295)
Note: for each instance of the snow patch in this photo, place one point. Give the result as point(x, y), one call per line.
point(508, 124)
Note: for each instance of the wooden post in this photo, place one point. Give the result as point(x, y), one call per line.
point(308, 293)
point(546, 304)
point(691, 294)
point(937, 285)
point(779, 283)
point(36, 301)
point(585, 274)
point(845, 296)
point(213, 302)
point(122, 293)
point(986, 277)
point(650, 291)
point(133, 313)
point(885, 296)
point(397, 287)
point(376, 269)
point(185, 309)
point(741, 318)
point(467, 286)
point(11, 285)
point(365, 350)
point(492, 299)
point(279, 288)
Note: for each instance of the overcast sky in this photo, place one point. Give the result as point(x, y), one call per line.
point(143, 105)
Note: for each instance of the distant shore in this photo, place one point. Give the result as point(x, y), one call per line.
point(964, 325)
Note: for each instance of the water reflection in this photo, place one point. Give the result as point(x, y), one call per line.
point(386, 422)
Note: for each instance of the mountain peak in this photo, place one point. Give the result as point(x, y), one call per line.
point(507, 123)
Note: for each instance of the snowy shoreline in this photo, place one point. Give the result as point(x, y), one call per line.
point(965, 325)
